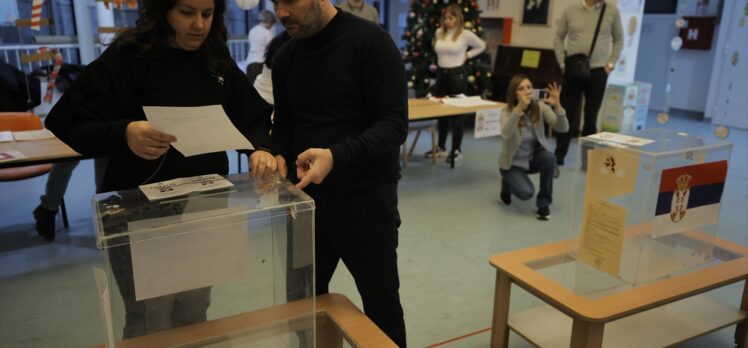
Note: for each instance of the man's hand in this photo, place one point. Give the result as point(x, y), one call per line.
point(607, 69)
point(282, 167)
point(147, 142)
point(261, 163)
point(312, 166)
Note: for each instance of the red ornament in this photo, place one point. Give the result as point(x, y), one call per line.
point(477, 74)
point(416, 54)
point(474, 4)
point(407, 34)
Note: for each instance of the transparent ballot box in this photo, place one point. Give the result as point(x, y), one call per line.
point(229, 267)
point(646, 206)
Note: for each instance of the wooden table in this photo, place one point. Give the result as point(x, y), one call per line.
point(425, 109)
point(39, 152)
point(636, 317)
point(337, 319)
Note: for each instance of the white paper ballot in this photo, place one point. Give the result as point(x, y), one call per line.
point(199, 129)
point(29, 135)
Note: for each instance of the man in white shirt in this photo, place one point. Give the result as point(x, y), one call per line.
point(259, 37)
point(361, 9)
point(576, 30)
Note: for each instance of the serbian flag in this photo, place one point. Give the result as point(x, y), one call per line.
point(689, 197)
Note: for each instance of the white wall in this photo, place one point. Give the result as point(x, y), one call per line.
point(690, 71)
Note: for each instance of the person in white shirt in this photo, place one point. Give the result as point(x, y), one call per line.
point(259, 37)
point(453, 47)
point(360, 8)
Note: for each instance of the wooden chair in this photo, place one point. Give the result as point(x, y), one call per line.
point(21, 121)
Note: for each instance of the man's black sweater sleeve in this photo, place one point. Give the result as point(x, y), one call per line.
point(385, 95)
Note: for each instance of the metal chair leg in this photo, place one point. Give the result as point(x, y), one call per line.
point(64, 214)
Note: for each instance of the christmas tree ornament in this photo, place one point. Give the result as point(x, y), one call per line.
point(412, 15)
point(426, 81)
point(419, 33)
point(468, 24)
point(471, 78)
point(432, 67)
point(410, 84)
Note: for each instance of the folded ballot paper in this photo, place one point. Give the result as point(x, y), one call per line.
point(184, 186)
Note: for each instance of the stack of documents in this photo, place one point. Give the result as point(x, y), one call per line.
point(465, 101)
point(38, 134)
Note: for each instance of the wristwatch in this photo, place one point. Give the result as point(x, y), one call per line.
point(611, 66)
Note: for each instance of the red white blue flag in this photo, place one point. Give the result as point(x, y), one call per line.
point(689, 197)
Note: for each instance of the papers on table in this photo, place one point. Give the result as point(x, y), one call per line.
point(183, 186)
point(464, 101)
point(37, 134)
point(621, 139)
point(467, 101)
point(7, 156)
point(6, 136)
point(199, 129)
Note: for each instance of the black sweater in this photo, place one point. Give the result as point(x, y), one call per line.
point(342, 89)
point(92, 115)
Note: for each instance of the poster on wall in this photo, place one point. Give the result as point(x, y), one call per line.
point(536, 12)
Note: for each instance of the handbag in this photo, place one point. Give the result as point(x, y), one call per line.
point(578, 65)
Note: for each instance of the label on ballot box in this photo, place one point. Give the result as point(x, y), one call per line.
point(183, 186)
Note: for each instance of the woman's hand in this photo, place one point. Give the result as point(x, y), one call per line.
point(554, 96)
point(261, 163)
point(147, 142)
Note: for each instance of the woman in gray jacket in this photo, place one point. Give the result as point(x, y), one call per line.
point(526, 149)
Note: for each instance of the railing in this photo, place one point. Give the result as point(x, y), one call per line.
point(11, 54)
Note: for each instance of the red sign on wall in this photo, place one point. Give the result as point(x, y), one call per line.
point(698, 33)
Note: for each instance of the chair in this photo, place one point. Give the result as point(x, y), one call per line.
point(20, 121)
point(418, 127)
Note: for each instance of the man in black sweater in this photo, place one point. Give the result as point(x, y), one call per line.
point(341, 114)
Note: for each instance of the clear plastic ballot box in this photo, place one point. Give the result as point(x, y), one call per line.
point(646, 206)
point(177, 263)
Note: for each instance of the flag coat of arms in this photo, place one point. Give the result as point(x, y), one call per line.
point(689, 197)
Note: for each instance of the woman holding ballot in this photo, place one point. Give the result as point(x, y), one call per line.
point(525, 148)
point(175, 56)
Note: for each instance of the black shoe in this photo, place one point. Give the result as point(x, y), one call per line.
point(544, 214)
point(506, 198)
point(45, 222)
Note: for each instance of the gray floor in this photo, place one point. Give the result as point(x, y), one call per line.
point(452, 222)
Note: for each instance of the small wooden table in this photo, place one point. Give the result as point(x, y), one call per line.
point(337, 319)
point(39, 152)
point(425, 109)
point(634, 317)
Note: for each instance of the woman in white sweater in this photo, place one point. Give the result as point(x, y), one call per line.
point(453, 47)
point(525, 149)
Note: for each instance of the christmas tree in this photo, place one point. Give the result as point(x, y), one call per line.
point(420, 60)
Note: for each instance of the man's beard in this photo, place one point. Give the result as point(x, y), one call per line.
point(311, 24)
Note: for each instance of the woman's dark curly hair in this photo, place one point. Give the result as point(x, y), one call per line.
point(153, 33)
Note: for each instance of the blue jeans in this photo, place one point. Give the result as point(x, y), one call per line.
point(59, 177)
point(516, 182)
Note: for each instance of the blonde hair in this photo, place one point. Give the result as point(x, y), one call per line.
point(455, 11)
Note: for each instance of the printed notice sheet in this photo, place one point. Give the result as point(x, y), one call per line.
point(190, 255)
point(487, 123)
point(611, 172)
point(467, 102)
point(199, 129)
point(602, 236)
point(183, 186)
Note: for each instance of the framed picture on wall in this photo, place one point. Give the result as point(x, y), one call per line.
point(536, 12)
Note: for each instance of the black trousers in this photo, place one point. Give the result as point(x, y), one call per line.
point(451, 81)
point(593, 89)
point(360, 227)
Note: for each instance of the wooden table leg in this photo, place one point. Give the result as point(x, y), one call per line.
point(500, 326)
point(586, 335)
point(741, 330)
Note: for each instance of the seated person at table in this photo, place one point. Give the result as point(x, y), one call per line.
point(526, 149)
